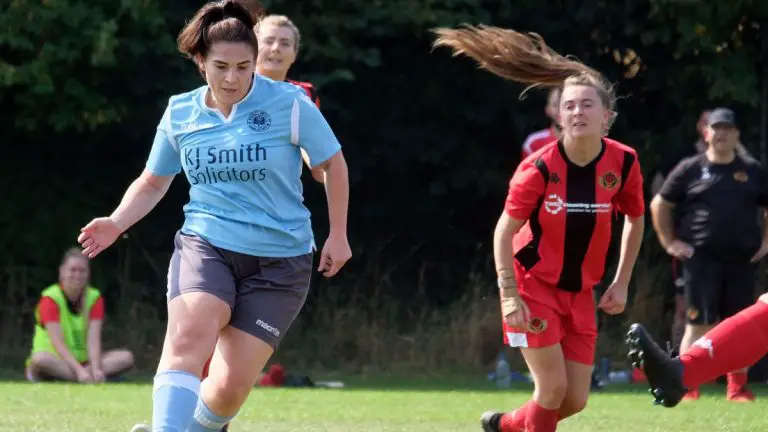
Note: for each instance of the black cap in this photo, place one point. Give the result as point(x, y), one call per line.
point(721, 115)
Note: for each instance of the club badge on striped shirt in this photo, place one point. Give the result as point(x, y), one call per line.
point(609, 180)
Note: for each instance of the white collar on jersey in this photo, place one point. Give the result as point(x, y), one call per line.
point(254, 83)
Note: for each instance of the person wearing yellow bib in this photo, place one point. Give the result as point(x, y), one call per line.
point(67, 340)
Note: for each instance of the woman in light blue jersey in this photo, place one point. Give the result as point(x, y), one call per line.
point(242, 261)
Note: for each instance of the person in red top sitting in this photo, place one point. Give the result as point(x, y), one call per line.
point(539, 139)
point(68, 322)
point(551, 241)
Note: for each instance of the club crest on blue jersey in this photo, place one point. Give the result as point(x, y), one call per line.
point(259, 121)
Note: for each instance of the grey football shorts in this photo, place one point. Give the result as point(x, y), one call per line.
point(265, 294)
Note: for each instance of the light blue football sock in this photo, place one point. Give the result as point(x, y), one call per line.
point(174, 400)
point(205, 420)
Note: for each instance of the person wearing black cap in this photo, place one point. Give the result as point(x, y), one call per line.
point(707, 215)
point(677, 281)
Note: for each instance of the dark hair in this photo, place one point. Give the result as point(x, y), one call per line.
point(524, 58)
point(220, 21)
point(73, 252)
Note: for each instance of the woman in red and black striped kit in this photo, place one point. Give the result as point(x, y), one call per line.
point(551, 242)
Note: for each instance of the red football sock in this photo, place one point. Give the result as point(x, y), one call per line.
point(737, 381)
point(735, 343)
point(515, 421)
point(540, 419)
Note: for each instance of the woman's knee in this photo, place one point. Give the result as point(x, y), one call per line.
point(548, 368)
point(551, 391)
point(125, 357)
point(117, 361)
point(572, 405)
point(41, 358)
point(46, 364)
point(191, 337)
point(227, 390)
point(579, 386)
point(234, 371)
point(192, 333)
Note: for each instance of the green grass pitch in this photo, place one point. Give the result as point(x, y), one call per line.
point(372, 405)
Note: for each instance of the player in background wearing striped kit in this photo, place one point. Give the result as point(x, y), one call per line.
point(539, 139)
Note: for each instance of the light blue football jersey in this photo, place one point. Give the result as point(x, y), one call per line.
point(244, 170)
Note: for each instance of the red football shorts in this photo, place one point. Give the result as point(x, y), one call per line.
point(557, 316)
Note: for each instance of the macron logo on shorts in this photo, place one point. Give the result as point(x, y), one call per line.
point(268, 328)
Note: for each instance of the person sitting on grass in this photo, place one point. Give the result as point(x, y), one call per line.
point(67, 338)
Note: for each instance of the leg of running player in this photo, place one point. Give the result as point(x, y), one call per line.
point(735, 343)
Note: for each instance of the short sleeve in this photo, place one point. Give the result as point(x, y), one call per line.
point(525, 190)
point(630, 200)
point(311, 131)
point(97, 310)
point(164, 159)
point(675, 187)
point(48, 310)
point(527, 148)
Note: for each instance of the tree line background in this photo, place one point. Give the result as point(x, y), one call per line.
point(431, 143)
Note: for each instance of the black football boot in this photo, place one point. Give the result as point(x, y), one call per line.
point(664, 373)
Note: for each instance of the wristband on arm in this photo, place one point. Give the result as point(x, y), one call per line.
point(510, 298)
point(506, 283)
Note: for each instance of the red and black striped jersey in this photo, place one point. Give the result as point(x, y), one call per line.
point(569, 211)
point(310, 89)
point(537, 140)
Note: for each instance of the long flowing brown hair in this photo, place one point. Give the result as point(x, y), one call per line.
point(522, 57)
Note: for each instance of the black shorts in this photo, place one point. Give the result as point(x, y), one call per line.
point(678, 278)
point(265, 294)
point(717, 289)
